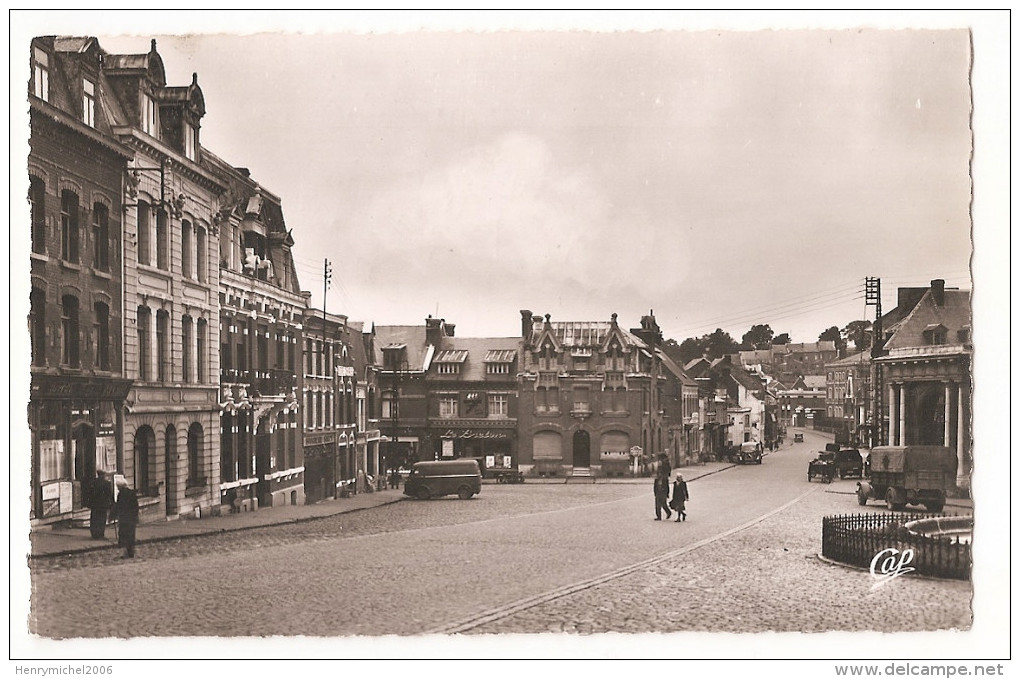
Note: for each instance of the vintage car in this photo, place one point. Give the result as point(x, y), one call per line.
point(849, 464)
point(746, 453)
point(798, 438)
point(822, 467)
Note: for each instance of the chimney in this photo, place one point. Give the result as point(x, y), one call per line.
point(433, 330)
point(938, 291)
point(450, 327)
point(526, 321)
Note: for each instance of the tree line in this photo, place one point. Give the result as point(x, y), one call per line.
point(761, 336)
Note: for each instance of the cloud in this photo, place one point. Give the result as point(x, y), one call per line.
point(510, 209)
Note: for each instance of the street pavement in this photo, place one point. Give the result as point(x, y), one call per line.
point(48, 541)
point(523, 559)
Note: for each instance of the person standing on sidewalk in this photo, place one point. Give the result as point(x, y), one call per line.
point(101, 500)
point(680, 497)
point(661, 490)
point(125, 510)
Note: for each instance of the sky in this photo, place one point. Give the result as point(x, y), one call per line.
point(719, 178)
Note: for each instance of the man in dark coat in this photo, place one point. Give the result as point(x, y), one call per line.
point(125, 510)
point(661, 489)
point(680, 497)
point(102, 499)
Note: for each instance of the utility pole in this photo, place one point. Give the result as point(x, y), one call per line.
point(873, 297)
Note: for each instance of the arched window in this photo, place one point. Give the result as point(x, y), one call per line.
point(37, 314)
point(37, 198)
point(101, 333)
point(200, 254)
point(169, 452)
point(163, 367)
point(145, 446)
point(69, 226)
point(186, 249)
point(196, 449)
point(142, 323)
point(144, 233)
point(69, 331)
point(200, 355)
point(162, 240)
point(186, 357)
point(100, 237)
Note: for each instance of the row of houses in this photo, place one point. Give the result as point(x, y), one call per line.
point(172, 342)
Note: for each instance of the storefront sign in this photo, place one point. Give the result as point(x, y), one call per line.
point(475, 434)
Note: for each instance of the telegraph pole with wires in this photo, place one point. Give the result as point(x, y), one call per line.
point(327, 278)
point(873, 297)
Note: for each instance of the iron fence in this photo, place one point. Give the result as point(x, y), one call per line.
point(856, 539)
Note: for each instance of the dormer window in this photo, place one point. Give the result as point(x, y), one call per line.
point(935, 334)
point(449, 368)
point(88, 102)
point(149, 120)
point(190, 142)
point(41, 74)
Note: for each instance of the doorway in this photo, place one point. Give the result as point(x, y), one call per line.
point(83, 436)
point(582, 448)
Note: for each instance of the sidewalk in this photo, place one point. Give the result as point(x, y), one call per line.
point(49, 541)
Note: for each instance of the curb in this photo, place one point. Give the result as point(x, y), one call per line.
point(219, 531)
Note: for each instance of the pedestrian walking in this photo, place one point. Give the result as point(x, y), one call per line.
point(100, 502)
point(661, 489)
point(680, 497)
point(664, 467)
point(125, 510)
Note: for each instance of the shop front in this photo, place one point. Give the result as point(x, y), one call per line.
point(495, 447)
point(76, 424)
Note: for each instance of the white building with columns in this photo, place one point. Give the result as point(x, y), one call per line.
point(926, 376)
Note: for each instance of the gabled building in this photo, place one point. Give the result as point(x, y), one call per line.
point(591, 398)
point(925, 369)
point(79, 380)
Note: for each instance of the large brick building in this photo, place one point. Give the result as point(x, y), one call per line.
point(76, 167)
point(591, 398)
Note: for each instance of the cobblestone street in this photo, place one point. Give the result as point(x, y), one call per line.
point(766, 578)
point(536, 558)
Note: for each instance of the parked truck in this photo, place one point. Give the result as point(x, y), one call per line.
point(916, 475)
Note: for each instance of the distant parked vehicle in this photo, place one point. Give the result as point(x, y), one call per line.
point(746, 453)
point(916, 475)
point(436, 479)
point(822, 467)
point(849, 463)
point(798, 438)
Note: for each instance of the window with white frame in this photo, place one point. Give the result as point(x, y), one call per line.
point(497, 368)
point(88, 102)
point(190, 142)
point(448, 405)
point(449, 368)
point(41, 74)
point(149, 120)
point(499, 405)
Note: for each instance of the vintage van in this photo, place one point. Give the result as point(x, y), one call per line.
point(447, 477)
